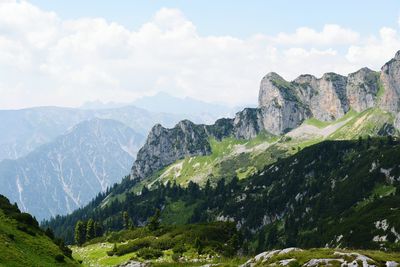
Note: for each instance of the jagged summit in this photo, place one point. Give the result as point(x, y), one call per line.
point(282, 106)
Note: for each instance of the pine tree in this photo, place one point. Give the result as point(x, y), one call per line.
point(90, 234)
point(126, 220)
point(98, 229)
point(154, 221)
point(80, 233)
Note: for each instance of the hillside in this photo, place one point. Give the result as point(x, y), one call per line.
point(298, 199)
point(25, 244)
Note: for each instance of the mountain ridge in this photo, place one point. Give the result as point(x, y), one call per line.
point(282, 106)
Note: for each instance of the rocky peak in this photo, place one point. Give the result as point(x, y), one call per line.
point(390, 79)
point(397, 55)
point(280, 106)
point(362, 88)
point(164, 146)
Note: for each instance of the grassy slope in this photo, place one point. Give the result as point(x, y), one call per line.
point(368, 122)
point(25, 249)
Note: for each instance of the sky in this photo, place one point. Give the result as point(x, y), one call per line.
point(67, 52)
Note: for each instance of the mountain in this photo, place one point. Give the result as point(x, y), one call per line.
point(284, 106)
point(21, 131)
point(193, 109)
point(23, 243)
point(61, 176)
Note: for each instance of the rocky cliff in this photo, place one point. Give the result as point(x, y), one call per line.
point(282, 106)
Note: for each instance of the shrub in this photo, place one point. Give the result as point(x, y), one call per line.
point(135, 245)
point(149, 253)
point(27, 219)
point(59, 258)
point(175, 257)
point(11, 236)
point(179, 248)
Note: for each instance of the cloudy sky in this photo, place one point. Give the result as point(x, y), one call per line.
point(67, 52)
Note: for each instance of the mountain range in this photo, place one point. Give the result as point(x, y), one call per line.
point(284, 106)
point(311, 164)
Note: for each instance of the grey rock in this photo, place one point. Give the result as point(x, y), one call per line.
point(362, 89)
point(390, 78)
point(248, 123)
point(164, 146)
point(133, 263)
point(280, 105)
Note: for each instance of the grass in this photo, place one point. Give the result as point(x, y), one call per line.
point(167, 240)
point(380, 190)
point(177, 213)
point(322, 124)
point(317, 123)
point(96, 255)
point(366, 123)
point(21, 249)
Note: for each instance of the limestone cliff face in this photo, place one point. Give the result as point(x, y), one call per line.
point(165, 146)
point(390, 78)
point(280, 105)
point(362, 89)
point(283, 106)
point(248, 123)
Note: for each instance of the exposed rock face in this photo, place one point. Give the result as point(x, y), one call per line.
point(362, 89)
point(248, 123)
point(283, 106)
point(390, 78)
point(165, 146)
point(280, 106)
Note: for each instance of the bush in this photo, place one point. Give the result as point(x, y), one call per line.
point(135, 245)
point(175, 257)
point(149, 253)
point(27, 219)
point(164, 242)
point(59, 258)
point(179, 248)
point(25, 229)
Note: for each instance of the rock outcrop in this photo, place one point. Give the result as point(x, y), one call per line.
point(362, 89)
point(282, 106)
point(165, 146)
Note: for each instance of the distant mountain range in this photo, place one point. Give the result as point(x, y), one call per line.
point(60, 176)
point(21, 131)
point(188, 108)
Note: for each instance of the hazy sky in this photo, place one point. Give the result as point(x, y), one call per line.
point(67, 52)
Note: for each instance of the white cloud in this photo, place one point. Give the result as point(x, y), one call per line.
point(46, 60)
point(331, 34)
